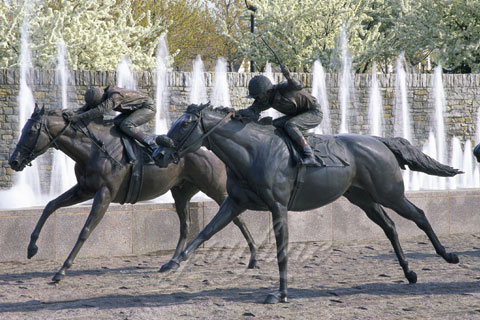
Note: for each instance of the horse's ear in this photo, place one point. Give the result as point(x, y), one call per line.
point(36, 109)
point(203, 106)
point(42, 111)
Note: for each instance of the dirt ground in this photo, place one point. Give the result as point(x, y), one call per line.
point(351, 280)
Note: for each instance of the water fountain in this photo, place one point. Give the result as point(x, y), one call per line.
point(26, 191)
point(63, 173)
point(162, 117)
point(346, 82)
point(467, 177)
point(432, 182)
point(220, 94)
point(402, 115)
point(375, 105)
point(125, 77)
point(319, 91)
point(268, 72)
point(440, 102)
point(198, 90)
point(456, 162)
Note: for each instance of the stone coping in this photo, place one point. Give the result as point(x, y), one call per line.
point(150, 227)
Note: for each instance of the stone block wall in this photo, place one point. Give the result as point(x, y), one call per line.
point(462, 94)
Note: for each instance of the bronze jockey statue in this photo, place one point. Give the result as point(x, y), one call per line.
point(136, 108)
point(301, 109)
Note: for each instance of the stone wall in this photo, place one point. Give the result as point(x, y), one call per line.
point(148, 227)
point(462, 94)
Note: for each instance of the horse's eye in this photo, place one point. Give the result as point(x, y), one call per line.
point(185, 124)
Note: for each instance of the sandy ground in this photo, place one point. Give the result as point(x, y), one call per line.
point(351, 280)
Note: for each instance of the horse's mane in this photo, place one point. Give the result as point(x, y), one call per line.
point(54, 112)
point(261, 125)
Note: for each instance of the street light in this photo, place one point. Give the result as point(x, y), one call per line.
point(252, 28)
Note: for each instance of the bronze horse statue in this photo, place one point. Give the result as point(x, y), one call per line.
point(261, 176)
point(103, 174)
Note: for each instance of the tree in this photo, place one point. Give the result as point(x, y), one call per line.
point(447, 31)
point(229, 17)
point(303, 31)
point(97, 34)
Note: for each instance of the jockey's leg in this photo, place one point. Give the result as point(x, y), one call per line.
point(130, 125)
point(301, 123)
point(298, 138)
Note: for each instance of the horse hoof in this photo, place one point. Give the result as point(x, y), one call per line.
point(252, 264)
point(169, 266)
point(58, 277)
point(32, 250)
point(274, 298)
point(452, 258)
point(411, 277)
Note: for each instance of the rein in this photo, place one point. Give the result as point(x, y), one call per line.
point(179, 152)
point(100, 145)
point(53, 141)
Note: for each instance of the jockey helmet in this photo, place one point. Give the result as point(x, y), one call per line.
point(258, 85)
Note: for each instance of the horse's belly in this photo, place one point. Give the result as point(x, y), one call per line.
point(322, 186)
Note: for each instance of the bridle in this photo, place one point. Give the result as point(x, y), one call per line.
point(30, 151)
point(181, 149)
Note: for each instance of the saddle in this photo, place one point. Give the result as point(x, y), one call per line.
point(138, 156)
point(327, 152)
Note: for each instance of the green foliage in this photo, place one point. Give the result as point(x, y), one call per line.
point(448, 31)
point(303, 31)
point(97, 34)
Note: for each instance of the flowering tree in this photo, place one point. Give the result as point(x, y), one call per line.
point(446, 31)
point(303, 31)
point(97, 34)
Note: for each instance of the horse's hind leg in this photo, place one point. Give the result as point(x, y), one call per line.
point(251, 243)
point(100, 205)
point(376, 213)
point(409, 211)
point(182, 195)
point(73, 196)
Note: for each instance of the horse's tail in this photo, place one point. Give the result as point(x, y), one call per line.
point(415, 159)
point(476, 152)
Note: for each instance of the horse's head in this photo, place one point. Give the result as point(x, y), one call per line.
point(185, 135)
point(34, 141)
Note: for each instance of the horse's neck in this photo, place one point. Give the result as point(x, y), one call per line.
point(241, 146)
point(74, 143)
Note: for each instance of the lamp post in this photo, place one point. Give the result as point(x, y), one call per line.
point(252, 28)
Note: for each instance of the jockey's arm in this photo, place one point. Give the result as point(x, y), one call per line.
point(82, 109)
point(292, 84)
point(258, 106)
point(100, 110)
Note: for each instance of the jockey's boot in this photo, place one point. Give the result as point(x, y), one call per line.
point(308, 159)
point(149, 141)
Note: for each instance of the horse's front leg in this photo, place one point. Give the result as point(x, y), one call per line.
point(101, 201)
point(280, 228)
point(73, 196)
point(226, 213)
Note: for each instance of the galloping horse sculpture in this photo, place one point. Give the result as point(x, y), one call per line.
point(261, 175)
point(103, 173)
